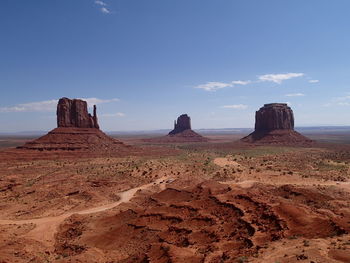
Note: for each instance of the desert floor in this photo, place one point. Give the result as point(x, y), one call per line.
point(218, 201)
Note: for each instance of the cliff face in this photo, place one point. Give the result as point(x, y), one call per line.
point(74, 113)
point(183, 123)
point(274, 116)
point(274, 124)
point(77, 131)
point(182, 133)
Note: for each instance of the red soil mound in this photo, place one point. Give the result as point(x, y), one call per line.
point(208, 223)
point(277, 137)
point(75, 139)
point(181, 137)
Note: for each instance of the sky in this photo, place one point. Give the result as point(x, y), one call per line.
point(145, 62)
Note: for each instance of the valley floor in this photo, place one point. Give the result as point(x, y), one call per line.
point(203, 202)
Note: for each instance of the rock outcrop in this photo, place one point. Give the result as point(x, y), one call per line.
point(274, 124)
point(274, 116)
point(76, 130)
point(181, 133)
point(183, 123)
point(74, 113)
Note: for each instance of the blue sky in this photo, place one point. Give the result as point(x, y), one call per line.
point(144, 62)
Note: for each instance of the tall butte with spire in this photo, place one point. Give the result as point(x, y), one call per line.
point(77, 130)
point(182, 124)
point(182, 132)
point(274, 124)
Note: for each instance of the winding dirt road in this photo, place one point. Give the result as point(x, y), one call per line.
point(46, 227)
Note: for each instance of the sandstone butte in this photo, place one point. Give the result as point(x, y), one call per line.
point(74, 113)
point(182, 132)
point(274, 124)
point(77, 130)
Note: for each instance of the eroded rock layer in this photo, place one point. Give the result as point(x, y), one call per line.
point(211, 222)
point(274, 116)
point(77, 131)
point(183, 123)
point(74, 113)
point(74, 139)
point(181, 133)
point(274, 124)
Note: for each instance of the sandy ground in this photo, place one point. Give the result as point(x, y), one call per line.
point(209, 202)
point(46, 227)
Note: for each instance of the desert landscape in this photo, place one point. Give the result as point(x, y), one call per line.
point(184, 131)
point(78, 195)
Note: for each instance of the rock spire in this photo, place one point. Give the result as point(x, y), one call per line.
point(183, 123)
point(74, 113)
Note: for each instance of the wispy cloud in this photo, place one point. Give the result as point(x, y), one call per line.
point(213, 86)
point(295, 95)
point(344, 103)
point(49, 105)
point(279, 78)
point(235, 106)
point(118, 114)
point(275, 78)
point(103, 7)
point(105, 10)
point(339, 101)
point(314, 81)
point(95, 101)
point(98, 2)
point(241, 82)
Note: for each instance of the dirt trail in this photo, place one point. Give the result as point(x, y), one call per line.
point(224, 161)
point(46, 227)
point(250, 183)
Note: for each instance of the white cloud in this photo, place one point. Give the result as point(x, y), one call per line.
point(49, 105)
point(213, 86)
point(338, 101)
point(103, 7)
point(95, 101)
point(314, 81)
point(341, 98)
point(241, 82)
point(343, 103)
point(235, 106)
point(278, 78)
point(118, 114)
point(105, 10)
point(99, 2)
point(295, 95)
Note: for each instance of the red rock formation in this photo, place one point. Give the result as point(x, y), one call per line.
point(181, 133)
point(183, 123)
point(274, 124)
point(95, 118)
point(274, 116)
point(74, 113)
point(75, 139)
point(77, 131)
